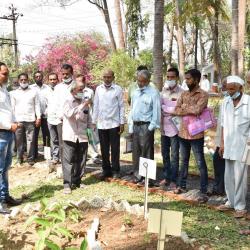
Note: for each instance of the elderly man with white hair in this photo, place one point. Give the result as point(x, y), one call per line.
point(235, 123)
point(74, 134)
point(145, 118)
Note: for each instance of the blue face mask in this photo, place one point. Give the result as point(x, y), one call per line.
point(79, 96)
point(235, 95)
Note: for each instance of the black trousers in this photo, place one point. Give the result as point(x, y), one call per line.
point(219, 171)
point(45, 135)
point(74, 159)
point(59, 131)
point(143, 145)
point(110, 138)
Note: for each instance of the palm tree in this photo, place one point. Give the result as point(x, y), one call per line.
point(158, 43)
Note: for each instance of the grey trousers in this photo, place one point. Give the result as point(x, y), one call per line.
point(54, 142)
point(74, 159)
point(236, 184)
point(27, 129)
point(143, 145)
point(59, 131)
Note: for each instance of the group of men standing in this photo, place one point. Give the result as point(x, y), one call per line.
point(68, 109)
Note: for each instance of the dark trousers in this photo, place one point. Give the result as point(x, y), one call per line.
point(54, 141)
point(6, 143)
point(59, 131)
point(45, 135)
point(110, 138)
point(143, 145)
point(219, 171)
point(74, 159)
point(197, 148)
point(25, 134)
point(170, 160)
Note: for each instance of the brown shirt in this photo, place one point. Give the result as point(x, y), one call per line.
point(191, 103)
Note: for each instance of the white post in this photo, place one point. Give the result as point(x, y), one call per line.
point(145, 164)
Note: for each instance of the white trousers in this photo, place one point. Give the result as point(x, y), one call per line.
point(236, 184)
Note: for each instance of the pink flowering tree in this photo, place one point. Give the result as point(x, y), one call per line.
point(82, 51)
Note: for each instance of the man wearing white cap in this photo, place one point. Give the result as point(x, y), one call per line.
point(235, 134)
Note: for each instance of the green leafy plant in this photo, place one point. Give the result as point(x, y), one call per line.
point(49, 222)
point(127, 221)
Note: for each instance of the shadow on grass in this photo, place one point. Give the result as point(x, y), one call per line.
point(44, 191)
point(91, 180)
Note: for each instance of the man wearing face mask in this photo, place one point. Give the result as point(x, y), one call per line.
point(169, 139)
point(8, 126)
point(75, 139)
point(109, 117)
point(52, 119)
point(192, 102)
point(26, 107)
point(44, 92)
point(61, 93)
point(145, 119)
point(235, 135)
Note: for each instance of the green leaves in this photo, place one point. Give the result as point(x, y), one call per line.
point(64, 231)
point(51, 245)
point(84, 245)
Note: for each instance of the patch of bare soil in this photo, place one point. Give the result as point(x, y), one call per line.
point(118, 231)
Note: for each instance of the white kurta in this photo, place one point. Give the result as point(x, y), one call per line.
point(236, 127)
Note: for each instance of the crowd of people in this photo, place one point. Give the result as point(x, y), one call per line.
point(66, 111)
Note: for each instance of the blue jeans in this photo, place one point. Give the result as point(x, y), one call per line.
point(170, 164)
point(6, 141)
point(197, 148)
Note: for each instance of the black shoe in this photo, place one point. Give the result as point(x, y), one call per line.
point(12, 202)
point(3, 208)
point(104, 175)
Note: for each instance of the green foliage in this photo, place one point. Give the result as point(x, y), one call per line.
point(145, 57)
point(121, 63)
point(49, 223)
point(137, 24)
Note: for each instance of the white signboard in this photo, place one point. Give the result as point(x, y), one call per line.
point(147, 168)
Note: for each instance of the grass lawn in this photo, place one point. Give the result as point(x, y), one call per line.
point(199, 221)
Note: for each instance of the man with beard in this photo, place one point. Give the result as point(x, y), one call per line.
point(192, 102)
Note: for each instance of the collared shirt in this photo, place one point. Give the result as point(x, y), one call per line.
point(108, 110)
point(191, 103)
point(61, 92)
point(44, 93)
point(236, 127)
point(26, 104)
point(52, 108)
point(131, 89)
point(146, 107)
point(75, 121)
point(205, 85)
point(167, 126)
point(6, 112)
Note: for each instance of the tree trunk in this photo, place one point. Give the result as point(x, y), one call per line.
point(234, 41)
point(216, 47)
point(181, 53)
point(241, 36)
point(107, 20)
point(170, 45)
point(196, 46)
point(202, 50)
point(119, 24)
point(158, 43)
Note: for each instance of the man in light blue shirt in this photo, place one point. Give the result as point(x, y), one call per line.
point(144, 119)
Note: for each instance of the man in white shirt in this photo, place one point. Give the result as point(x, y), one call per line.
point(75, 139)
point(205, 84)
point(8, 126)
point(43, 91)
point(61, 93)
point(26, 107)
point(52, 119)
point(235, 123)
point(108, 117)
